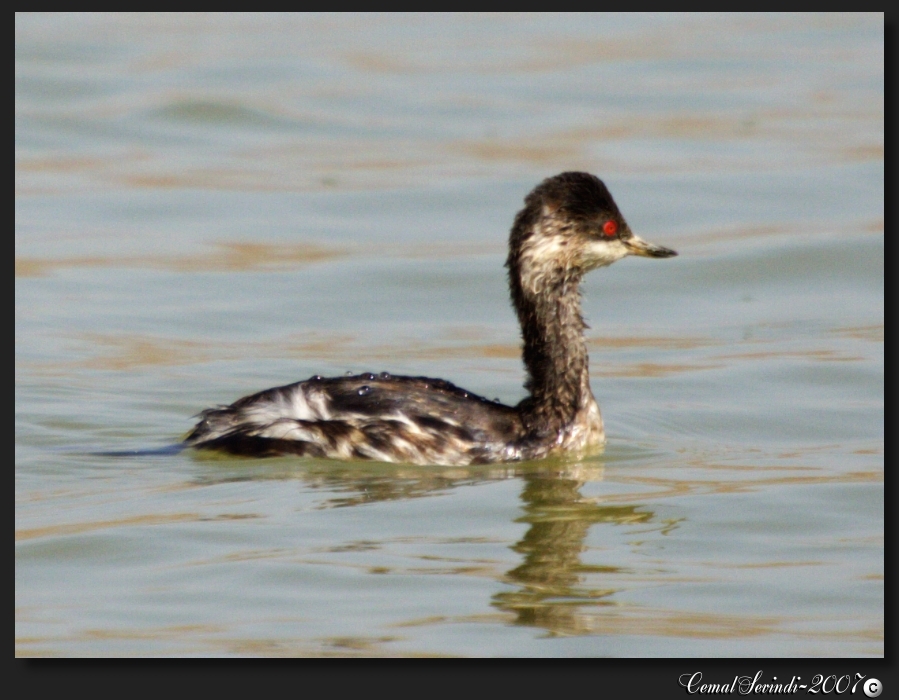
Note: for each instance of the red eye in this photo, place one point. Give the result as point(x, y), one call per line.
point(610, 228)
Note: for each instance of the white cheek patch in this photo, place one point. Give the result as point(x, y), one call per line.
point(599, 253)
point(543, 256)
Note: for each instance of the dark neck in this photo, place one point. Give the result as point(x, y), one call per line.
point(555, 354)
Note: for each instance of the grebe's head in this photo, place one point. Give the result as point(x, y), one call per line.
point(570, 225)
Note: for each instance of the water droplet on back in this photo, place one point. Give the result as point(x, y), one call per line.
point(384, 375)
point(369, 375)
point(364, 390)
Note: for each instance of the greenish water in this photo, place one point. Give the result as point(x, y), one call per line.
point(207, 206)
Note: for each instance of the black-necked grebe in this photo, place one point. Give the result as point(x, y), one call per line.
point(569, 225)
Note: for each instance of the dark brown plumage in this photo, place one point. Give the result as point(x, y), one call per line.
point(570, 225)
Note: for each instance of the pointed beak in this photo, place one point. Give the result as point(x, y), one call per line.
point(637, 246)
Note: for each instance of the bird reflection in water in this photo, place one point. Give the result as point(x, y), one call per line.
point(552, 579)
point(553, 588)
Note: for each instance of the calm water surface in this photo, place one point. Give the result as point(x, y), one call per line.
point(207, 206)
